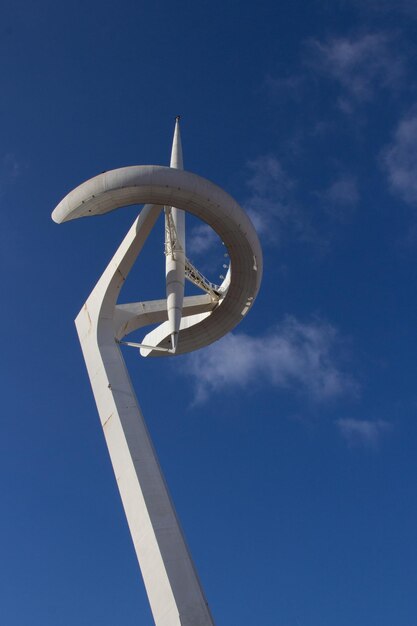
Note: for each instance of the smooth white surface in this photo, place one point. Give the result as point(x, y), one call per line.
point(175, 258)
point(171, 582)
point(171, 187)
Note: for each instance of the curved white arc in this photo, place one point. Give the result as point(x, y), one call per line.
point(168, 186)
point(226, 282)
point(173, 588)
point(160, 336)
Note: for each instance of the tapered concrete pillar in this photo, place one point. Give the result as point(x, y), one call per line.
point(173, 587)
point(171, 581)
point(175, 249)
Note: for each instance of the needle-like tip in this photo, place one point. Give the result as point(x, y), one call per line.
point(176, 152)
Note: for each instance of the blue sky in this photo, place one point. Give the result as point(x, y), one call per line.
point(291, 449)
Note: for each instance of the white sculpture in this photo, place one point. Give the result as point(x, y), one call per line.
point(185, 324)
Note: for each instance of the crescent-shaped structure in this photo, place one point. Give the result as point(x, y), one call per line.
point(184, 324)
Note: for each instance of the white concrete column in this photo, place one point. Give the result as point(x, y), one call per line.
point(171, 581)
point(175, 254)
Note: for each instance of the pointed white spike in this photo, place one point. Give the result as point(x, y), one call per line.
point(176, 152)
point(175, 249)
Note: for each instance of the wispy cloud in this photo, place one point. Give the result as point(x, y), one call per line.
point(201, 239)
point(341, 196)
point(343, 191)
point(271, 203)
point(400, 159)
point(360, 65)
point(362, 432)
point(298, 356)
point(268, 203)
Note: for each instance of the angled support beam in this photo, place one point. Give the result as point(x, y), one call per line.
point(171, 582)
point(130, 317)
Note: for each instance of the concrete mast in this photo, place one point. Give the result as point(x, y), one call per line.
point(175, 249)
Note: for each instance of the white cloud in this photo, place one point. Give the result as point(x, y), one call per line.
point(341, 197)
point(362, 432)
point(343, 191)
point(267, 204)
point(202, 238)
point(267, 170)
point(400, 159)
point(360, 65)
point(270, 203)
point(297, 356)
point(205, 250)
